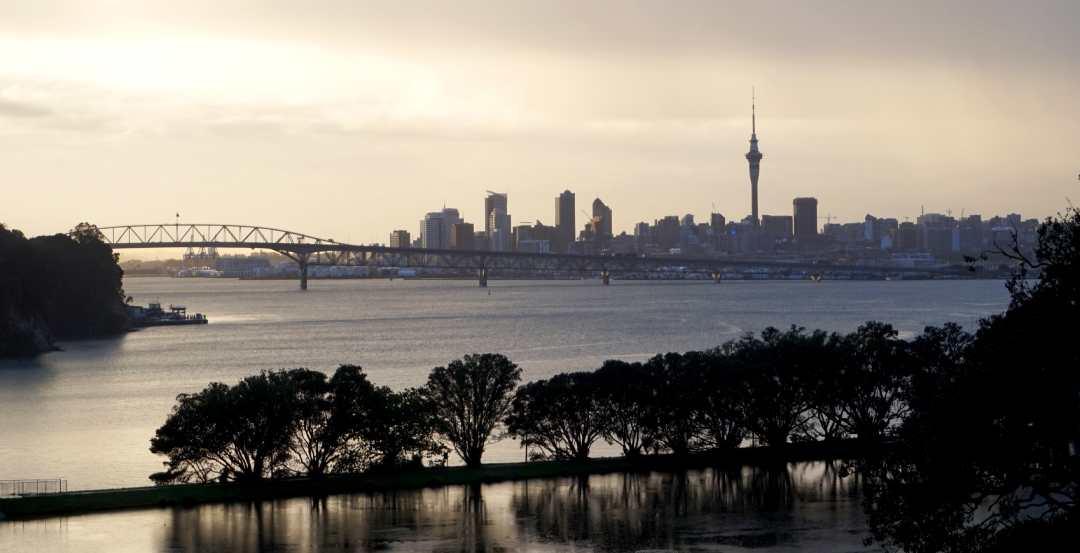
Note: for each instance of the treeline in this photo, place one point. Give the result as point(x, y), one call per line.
point(769, 389)
point(57, 287)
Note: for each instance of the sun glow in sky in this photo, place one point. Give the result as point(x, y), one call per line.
point(350, 119)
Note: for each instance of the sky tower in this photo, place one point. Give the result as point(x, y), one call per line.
point(754, 158)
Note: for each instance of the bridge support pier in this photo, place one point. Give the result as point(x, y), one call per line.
point(303, 262)
point(483, 275)
point(605, 278)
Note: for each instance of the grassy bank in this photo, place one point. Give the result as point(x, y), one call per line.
point(193, 494)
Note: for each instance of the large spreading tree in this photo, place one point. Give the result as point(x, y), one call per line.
point(470, 397)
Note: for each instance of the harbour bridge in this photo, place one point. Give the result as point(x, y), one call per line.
point(309, 251)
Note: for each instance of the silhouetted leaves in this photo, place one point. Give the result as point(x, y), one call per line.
point(470, 397)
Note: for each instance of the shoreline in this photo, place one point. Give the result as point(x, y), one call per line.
point(187, 495)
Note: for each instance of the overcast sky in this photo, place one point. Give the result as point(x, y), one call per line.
point(347, 119)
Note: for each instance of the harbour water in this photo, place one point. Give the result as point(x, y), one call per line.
point(87, 413)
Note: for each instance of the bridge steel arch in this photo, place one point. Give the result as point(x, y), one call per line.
point(307, 250)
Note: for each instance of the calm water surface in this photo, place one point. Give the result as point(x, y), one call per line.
point(803, 506)
point(87, 413)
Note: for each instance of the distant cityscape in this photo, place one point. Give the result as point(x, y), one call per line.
point(932, 239)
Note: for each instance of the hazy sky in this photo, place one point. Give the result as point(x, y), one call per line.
point(347, 119)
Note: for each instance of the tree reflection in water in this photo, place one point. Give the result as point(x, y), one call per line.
point(747, 506)
point(802, 504)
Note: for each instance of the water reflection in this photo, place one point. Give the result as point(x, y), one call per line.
point(803, 505)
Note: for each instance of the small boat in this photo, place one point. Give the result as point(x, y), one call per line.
point(154, 315)
point(816, 277)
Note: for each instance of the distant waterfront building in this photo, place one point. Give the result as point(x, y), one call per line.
point(805, 223)
point(400, 239)
point(491, 202)
point(777, 227)
point(601, 219)
point(564, 219)
point(461, 236)
point(753, 157)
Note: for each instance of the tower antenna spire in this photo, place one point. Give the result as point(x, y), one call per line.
point(753, 110)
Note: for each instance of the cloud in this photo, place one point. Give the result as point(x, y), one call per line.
point(12, 108)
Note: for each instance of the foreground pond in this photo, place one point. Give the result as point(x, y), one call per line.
point(800, 506)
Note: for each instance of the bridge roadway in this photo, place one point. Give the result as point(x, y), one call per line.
point(308, 250)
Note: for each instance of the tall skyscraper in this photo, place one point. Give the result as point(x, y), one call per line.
point(492, 201)
point(564, 219)
point(805, 219)
point(601, 219)
point(754, 158)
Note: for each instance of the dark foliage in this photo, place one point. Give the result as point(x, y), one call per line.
point(293, 422)
point(988, 457)
point(777, 387)
point(57, 287)
point(471, 396)
point(625, 400)
point(242, 432)
point(560, 416)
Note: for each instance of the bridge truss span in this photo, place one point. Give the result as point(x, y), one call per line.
point(307, 250)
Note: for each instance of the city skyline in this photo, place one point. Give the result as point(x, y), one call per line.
point(264, 115)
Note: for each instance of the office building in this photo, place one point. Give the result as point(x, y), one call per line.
point(499, 221)
point(601, 219)
point(565, 220)
point(805, 223)
point(491, 202)
point(461, 236)
point(777, 227)
point(400, 239)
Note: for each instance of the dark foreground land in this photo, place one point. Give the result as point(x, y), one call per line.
point(80, 502)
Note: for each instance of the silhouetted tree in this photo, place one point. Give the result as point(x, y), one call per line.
point(987, 459)
point(776, 395)
point(470, 397)
point(561, 415)
point(241, 432)
point(872, 380)
point(626, 405)
point(401, 429)
point(720, 413)
point(677, 424)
